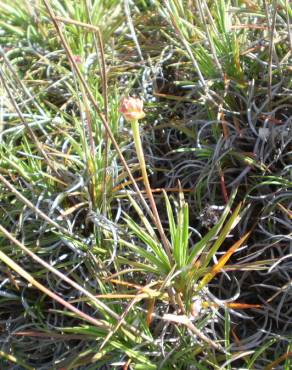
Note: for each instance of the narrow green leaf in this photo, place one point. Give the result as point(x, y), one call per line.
point(232, 222)
point(198, 247)
point(146, 238)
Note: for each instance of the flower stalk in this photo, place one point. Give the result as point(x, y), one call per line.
point(140, 153)
point(132, 110)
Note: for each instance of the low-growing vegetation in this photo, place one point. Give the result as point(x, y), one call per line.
point(154, 232)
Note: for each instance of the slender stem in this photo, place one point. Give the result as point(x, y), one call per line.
point(140, 155)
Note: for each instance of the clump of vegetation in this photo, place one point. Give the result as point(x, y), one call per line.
point(158, 244)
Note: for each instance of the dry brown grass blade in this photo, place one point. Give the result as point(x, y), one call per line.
point(223, 260)
point(71, 282)
point(242, 306)
point(143, 293)
point(278, 361)
point(40, 334)
point(14, 266)
point(150, 310)
point(120, 323)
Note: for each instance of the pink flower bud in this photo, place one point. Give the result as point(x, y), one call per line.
point(77, 59)
point(132, 109)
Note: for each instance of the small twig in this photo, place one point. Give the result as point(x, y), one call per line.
point(223, 185)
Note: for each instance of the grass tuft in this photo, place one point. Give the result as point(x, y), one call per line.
point(175, 255)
